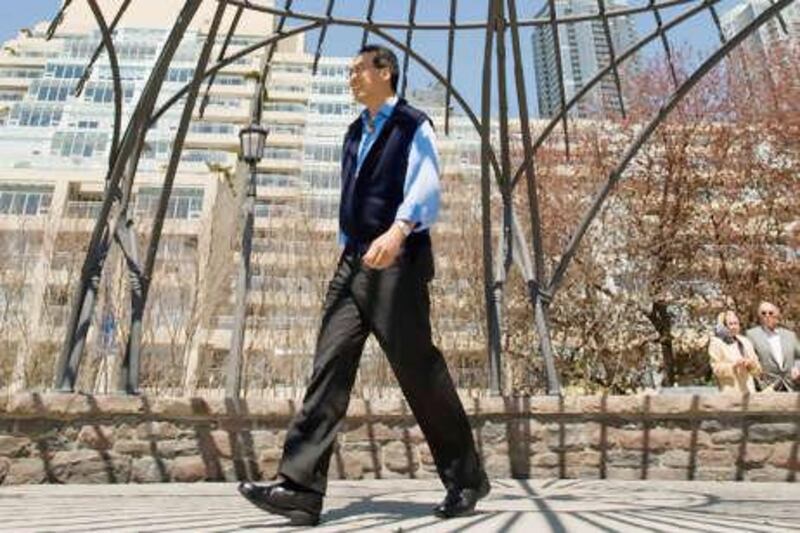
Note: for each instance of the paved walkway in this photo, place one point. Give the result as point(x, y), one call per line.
point(404, 505)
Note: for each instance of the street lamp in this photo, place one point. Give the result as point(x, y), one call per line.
point(252, 140)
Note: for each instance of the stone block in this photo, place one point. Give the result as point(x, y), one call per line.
point(150, 470)
point(772, 432)
point(545, 459)
point(370, 461)
point(767, 473)
point(786, 455)
point(264, 439)
point(618, 472)
point(188, 469)
point(584, 459)
point(372, 432)
point(425, 455)
point(221, 441)
point(13, 446)
point(26, 472)
point(400, 458)
point(134, 448)
point(90, 466)
point(96, 437)
point(715, 459)
point(5, 466)
point(715, 474)
point(754, 454)
point(345, 466)
point(497, 466)
point(674, 459)
point(156, 431)
point(727, 436)
point(666, 474)
point(268, 462)
point(117, 404)
point(627, 458)
point(177, 448)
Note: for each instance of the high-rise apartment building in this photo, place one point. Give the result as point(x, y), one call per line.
point(54, 148)
point(768, 35)
point(584, 51)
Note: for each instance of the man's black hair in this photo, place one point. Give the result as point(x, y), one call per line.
point(383, 58)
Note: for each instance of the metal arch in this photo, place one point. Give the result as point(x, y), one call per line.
point(645, 134)
point(130, 149)
point(111, 50)
point(432, 70)
point(129, 380)
point(123, 170)
point(180, 93)
point(228, 37)
point(598, 77)
point(445, 26)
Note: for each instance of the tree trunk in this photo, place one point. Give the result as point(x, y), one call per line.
point(662, 322)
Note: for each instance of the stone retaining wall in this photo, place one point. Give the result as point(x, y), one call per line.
point(115, 439)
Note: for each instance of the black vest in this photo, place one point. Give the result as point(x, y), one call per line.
point(370, 200)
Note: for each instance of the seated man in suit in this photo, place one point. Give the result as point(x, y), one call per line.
point(777, 349)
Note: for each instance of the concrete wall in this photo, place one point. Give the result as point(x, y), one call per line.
point(86, 439)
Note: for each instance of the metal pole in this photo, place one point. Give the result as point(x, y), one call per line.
point(492, 320)
point(234, 364)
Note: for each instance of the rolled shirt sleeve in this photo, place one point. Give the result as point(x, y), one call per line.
point(421, 192)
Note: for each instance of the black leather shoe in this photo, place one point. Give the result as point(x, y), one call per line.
point(301, 508)
point(461, 502)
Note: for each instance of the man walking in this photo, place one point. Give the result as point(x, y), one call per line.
point(390, 198)
point(777, 348)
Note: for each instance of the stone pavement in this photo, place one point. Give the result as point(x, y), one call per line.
point(404, 505)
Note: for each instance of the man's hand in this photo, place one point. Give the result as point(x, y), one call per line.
point(795, 373)
point(384, 250)
point(741, 365)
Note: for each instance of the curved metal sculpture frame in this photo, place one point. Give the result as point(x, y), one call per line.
point(115, 222)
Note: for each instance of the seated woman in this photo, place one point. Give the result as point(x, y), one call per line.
point(733, 359)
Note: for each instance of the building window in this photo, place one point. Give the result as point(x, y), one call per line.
point(103, 92)
point(184, 202)
point(323, 152)
point(51, 90)
point(322, 179)
point(323, 207)
point(271, 152)
point(180, 75)
point(228, 79)
point(276, 180)
point(215, 128)
point(330, 88)
point(29, 200)
point(78, 144)
point(35, 115)
point(332, 108)
point(27, 73)
point(288, 107)
point(204, 156)
point(63, 71)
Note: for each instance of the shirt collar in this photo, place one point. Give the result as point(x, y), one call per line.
point(384, 111)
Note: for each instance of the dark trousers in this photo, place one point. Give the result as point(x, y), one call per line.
point(394, 305)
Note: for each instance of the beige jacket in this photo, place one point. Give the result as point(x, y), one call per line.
point(723, 356)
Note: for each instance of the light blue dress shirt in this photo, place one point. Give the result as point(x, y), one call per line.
point(421, 191)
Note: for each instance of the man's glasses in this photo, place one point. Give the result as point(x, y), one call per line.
point(767, 313)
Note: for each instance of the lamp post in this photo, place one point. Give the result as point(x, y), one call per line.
point(252, 140)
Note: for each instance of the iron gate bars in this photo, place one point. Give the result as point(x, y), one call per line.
point(502, 19)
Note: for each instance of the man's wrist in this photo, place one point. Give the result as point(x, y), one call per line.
point(404, 226)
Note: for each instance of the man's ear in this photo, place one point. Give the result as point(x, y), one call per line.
point(385, 74)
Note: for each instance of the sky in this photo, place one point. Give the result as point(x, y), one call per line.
point(697, 34)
